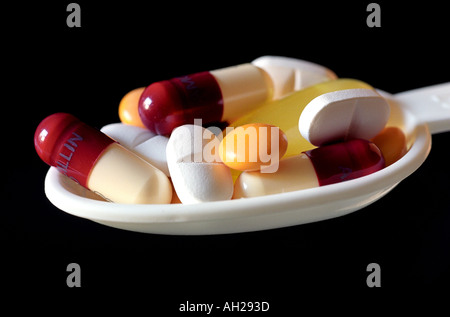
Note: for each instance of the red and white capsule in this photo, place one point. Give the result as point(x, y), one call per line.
point(98, 163)
point(326, 165)
point(214, 96)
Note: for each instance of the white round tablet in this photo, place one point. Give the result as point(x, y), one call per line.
point(343, 115)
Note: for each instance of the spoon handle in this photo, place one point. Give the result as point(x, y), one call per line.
point(430, 105)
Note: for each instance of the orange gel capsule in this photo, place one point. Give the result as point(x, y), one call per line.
point(128, 108)
point(392, 143)
point(253, 147)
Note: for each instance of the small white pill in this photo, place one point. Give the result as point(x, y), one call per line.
point(343, 115)
point(142, 142)
point(197, 173)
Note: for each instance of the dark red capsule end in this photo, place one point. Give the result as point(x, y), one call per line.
point(165, 105)
point(63, 141)
point(49, 132)
point(346, 160)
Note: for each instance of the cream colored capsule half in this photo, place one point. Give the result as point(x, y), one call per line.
point(294, 173)
point(140, 182)
point(325, 165)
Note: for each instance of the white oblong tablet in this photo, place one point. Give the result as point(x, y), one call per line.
point(197, 173)
point(343, 115)
point(127, 135)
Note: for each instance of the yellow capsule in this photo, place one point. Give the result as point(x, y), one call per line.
point(128, 108)
point(253, 147)
point(392, 143)
point(285, 113)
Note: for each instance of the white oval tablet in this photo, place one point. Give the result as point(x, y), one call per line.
point(342, 115)
point(127, 135)
point(197, 173)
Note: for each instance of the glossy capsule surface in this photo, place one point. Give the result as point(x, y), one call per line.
point(213, 96)
point(285, 113)
point(97, 162)
point(128, 108)
point(392, 143)
point(322, 166)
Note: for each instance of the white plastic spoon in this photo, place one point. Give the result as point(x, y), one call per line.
point(419, 113)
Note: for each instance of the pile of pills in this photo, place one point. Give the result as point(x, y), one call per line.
point(289, 125)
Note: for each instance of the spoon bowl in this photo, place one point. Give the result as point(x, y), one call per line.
point(278, 210)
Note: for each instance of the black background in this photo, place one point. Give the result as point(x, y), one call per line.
point(86, 71)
